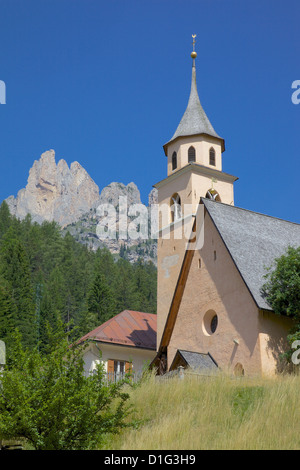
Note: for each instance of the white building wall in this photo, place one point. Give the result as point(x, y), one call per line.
point(97, 352)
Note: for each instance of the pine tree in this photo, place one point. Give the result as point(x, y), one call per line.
point(5, 218)
point(101, 300)
point(7, 313)
point(122, 251)
point(15, 271)
point(46, 277)
point(104, 264)
point(127, 296)
point(145, 281)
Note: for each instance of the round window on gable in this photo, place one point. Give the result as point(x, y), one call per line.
point(214, 323)
point(210, 323)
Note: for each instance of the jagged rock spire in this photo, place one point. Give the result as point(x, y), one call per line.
point(194, 121)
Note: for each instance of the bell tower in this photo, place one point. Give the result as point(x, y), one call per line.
point(194, 170)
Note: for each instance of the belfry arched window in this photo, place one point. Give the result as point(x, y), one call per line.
point(174, 161)
point(191, 154)
point(212, 156)
point(175, 204)
point(213, 194)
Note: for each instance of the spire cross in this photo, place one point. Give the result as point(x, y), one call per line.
point(194, 41)
point(213, 180)
point(194, 53)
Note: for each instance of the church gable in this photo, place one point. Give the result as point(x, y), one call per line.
point(217, 314)
point(254, 241)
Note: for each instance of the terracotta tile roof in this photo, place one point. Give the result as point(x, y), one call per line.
point(128, 328)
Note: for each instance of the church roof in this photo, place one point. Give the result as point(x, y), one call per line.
point(194, 121)
point(128, 328)
point(254, 241)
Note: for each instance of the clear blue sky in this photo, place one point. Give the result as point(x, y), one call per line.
point(107, 82)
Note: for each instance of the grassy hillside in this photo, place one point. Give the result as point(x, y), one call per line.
point(214, 413)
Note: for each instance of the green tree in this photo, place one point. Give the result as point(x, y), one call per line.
point(46, 276)
point(127, 296)
point(5, 218)
point(15, 270)
point(282, 289)
point(47, 399)
point(104, 264)
point(101, 300)
point(145, 280)
point(7, 312)
point(122, 251)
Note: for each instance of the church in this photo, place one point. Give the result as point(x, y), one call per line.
point(211, 313)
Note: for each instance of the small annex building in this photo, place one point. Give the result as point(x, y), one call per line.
point(126, 342)
point(204, 364)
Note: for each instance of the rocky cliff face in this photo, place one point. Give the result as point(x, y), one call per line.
point(70, 197)
point(85, 229)
point(111, 194)
point(55, 192)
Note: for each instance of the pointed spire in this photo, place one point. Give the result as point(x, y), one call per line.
point(194, 121)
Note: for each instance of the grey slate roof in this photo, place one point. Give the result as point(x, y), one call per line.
point(198, 361)
point(254, 241)
point(194, 120)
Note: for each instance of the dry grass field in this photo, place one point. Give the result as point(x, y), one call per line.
point(214, 413)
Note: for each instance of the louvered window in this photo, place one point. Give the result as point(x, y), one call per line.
point(212, 157)
point(191, 154)
point(174, 161)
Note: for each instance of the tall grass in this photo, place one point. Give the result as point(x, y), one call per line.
point(214, 413)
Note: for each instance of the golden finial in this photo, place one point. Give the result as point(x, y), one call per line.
point(194, 53)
